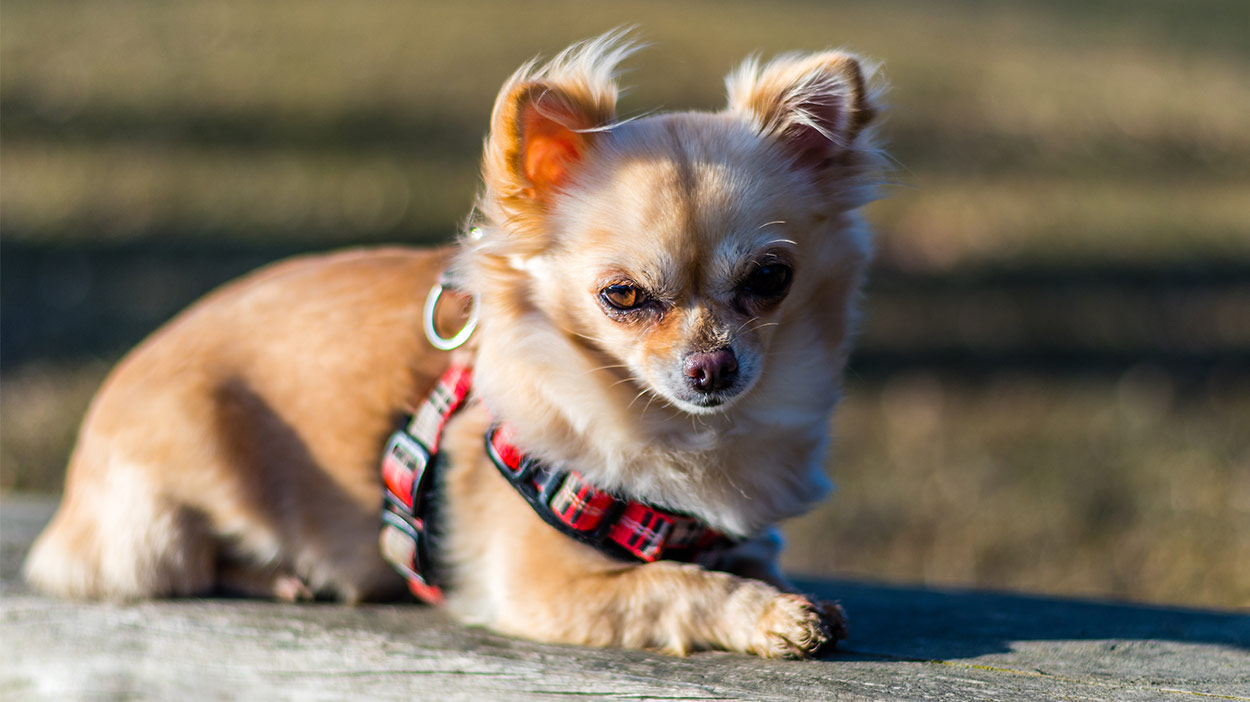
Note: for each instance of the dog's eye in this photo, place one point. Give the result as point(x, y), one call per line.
point(769, 280)
point(623, 297)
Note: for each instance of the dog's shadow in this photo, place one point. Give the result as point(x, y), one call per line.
point(891, 622)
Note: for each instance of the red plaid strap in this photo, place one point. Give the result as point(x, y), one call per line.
point(409, 450)
point(407, 473)
point(431, 417)
point(566, 500)
point(571, 504)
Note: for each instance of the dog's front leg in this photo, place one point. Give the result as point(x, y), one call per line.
point(757, 558)
point(673, 607)
point(679, 607)
point(510, 570)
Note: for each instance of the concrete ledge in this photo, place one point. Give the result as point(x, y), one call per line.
point(907, 643)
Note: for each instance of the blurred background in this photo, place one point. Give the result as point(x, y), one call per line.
point(1052, 391)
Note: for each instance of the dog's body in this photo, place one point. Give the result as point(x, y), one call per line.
point(665, 307)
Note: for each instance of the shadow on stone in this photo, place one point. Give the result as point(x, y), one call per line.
point(923, 623)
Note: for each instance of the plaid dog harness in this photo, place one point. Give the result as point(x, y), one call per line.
point(623, 528)
point(564, 499)
point(408, 471)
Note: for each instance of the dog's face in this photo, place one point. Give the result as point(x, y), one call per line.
point(675, 252)
point(673, 246)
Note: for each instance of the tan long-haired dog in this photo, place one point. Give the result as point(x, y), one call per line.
point(664, 307)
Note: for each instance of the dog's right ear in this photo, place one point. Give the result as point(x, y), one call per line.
point(545, 122)
point(551, 132)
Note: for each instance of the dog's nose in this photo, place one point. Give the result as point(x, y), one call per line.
point(710, 371)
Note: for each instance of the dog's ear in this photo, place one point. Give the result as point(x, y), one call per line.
point(546, 120)
point(816, 105)
point(552, 130)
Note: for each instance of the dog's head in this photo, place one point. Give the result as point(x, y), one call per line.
point(675, 246)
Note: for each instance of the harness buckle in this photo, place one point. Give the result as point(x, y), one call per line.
point(404, 470)
point(403, 545)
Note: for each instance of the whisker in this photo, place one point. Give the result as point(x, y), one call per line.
point(745, 323)
point(615, 365)
point(791, 242)
point(587, 337)
point(735, 486)
point(640, 394)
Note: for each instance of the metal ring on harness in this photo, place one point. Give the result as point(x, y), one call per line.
point(437, 340)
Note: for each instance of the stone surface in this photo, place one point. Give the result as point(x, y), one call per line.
point(907, 644)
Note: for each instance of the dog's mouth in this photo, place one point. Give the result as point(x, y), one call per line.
point(704, 407)
point(711, 400)
point(696, 402)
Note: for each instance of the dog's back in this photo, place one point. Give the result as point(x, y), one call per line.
point(237, 446)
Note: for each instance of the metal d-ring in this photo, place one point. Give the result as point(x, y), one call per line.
point(437, 340)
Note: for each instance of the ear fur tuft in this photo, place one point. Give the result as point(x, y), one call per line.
point(545, 119)
point(816, 104)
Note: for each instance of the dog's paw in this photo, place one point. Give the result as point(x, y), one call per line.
point(290, 588)
point(791, 626)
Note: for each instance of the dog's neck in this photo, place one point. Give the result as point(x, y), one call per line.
point(740, 470)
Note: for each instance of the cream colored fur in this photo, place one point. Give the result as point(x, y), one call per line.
point(238, 447)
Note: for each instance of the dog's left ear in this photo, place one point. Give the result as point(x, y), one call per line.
point(816, 105)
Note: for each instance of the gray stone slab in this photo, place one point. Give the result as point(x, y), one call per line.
point(907, 644)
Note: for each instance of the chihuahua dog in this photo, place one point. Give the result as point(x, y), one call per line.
point(664, 307)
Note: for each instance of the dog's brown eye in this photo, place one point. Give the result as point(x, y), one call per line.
point(623, 297)
point(769, 280)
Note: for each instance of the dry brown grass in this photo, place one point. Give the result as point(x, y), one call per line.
point(1028, 133)
point(1099, 486)
point(1025, 130)
point(41, 406)
point(1111, 487)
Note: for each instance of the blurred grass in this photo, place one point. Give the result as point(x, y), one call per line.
point(1127, 487)
point(41, 406)
point(1027, 129)
point(1122, 487)
point(1056, 136)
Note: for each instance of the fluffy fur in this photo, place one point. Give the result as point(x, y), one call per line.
point(238, 447)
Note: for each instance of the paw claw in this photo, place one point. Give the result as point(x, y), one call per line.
point(835, 620)
point(792, 627)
